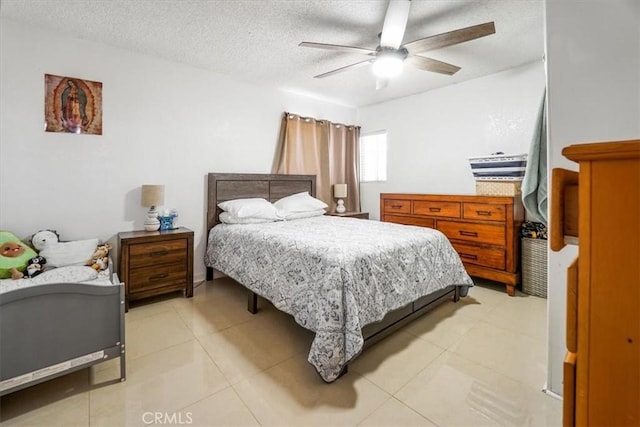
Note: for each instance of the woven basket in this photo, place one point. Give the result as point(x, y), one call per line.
point(534, 267)
point(498, 188)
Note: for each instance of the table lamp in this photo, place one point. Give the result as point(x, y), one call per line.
point(340, 192)
point(152, 196)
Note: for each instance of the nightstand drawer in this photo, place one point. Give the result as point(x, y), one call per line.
point(157, 253)
point(360, 215)
point(481, 233)
point(484, 212)
point(146, 278)
point(488, 257)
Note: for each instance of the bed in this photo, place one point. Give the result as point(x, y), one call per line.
point(61, 321)
point(350, 281)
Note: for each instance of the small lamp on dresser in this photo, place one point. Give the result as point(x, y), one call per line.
point(152, 196)
point(340, 193)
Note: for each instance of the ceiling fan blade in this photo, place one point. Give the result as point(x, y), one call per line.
point(381, 83)
point(450, 38)
point(340, 48)
point(395, 22)
point(345, 68)
point(429, 64)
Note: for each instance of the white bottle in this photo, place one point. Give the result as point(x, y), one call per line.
point(174, 219)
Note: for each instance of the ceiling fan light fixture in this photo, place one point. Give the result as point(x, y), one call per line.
point(388, 65)
point(389, 57)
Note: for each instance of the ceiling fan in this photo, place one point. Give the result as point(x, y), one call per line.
point(388, 58)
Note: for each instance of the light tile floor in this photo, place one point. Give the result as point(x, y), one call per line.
point(206, 361)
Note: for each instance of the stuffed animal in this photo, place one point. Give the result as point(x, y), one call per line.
point(61, 254)
point(100, 259)
point(14, 255)
point(35, 266)
point(100, 264)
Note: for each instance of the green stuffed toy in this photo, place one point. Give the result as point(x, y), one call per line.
point(14, 256)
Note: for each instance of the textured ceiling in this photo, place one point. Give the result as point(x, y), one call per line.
point(256, 41)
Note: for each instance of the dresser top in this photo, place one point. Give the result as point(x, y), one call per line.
point(629, 149)
point(452, 197)
point(160, 234)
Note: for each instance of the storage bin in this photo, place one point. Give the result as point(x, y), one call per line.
point(499, 167)
point(498, 188)
point(534, 267)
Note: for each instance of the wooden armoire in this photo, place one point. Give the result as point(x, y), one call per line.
point(598, 208)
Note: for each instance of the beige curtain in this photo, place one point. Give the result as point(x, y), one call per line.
point(327, 150)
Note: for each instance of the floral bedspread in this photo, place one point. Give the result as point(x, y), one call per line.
point(335, 275)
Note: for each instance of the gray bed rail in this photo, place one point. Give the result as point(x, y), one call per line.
point(51, 330)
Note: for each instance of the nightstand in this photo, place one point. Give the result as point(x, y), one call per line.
point(361, 215)
point(156, 262)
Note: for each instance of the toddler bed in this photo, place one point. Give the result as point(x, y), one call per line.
point(60, 321)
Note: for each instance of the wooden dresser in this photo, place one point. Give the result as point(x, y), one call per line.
point(484, 230)
point(599, 209)
point(156, 262)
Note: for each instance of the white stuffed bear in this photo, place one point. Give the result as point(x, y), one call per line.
point(61, 254)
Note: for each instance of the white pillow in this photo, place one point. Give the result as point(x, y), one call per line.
point(300, 202)
point(62, 254)
point(250, 208)
point(308, 214)
point(227, 218)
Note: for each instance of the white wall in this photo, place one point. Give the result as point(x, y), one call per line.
point(164, 123)
point(593, 71)
point(431, 135)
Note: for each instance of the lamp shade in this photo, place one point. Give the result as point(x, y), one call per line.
point(340, 191)
point(152, 195)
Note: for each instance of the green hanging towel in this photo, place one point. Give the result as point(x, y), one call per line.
point(534, 185)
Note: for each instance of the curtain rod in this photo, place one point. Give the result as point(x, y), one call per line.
point(292, 115)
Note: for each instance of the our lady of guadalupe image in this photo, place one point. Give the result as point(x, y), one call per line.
point(73, 105)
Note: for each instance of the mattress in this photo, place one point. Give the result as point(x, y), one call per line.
point(336, 275)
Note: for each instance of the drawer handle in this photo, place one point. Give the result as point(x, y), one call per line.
point(468, 233)
point(483, 213)
point(159, 253)
point(469, 256)
point(159, 277)
point(434, 209)
point(396, 206)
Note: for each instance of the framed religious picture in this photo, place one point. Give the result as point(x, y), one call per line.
point(72, 105)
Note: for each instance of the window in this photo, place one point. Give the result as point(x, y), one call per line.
point(373, 157)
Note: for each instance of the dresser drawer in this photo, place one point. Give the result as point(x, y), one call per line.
point(397, 206)
point(436, 208)
point(484, 211)
point(487, 257)
point(146, 278)
point(157, 253)
point(410, 220)
point(481, 233)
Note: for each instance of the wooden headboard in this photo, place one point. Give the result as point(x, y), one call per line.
point(229, 186)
